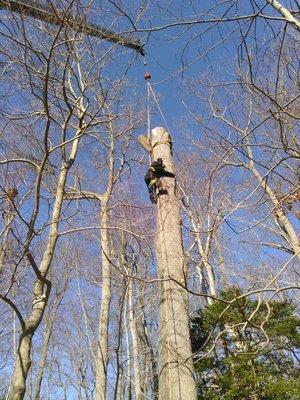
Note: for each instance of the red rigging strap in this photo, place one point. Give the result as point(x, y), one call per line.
point(45, 13)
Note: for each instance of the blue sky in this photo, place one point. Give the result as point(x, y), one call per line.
point(212, 49)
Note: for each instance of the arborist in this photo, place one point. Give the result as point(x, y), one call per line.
point(155, 172)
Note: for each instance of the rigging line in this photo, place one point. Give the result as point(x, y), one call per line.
point(158, 106)
point(149, 119)
point(148, 111)
point(147, 77)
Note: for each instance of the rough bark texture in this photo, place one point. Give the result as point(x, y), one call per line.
point(176, 380)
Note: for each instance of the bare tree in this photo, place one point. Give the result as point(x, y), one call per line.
point(59, 81)
point(262, 143)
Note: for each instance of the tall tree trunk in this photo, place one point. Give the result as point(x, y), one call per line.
point(42, 362)
point(102, 352)
point(40, 295)
point(22, 364)
point(7, 219)
point(176, 380)
point(49, 323)
point(128, 355)
point(134, 338)
point(149, 352)
point(119, 385)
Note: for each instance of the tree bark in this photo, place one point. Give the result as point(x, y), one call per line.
point(135, 346)
point(149, 351)
point(102, 357)
point(128, 353)
point(22, 364)
point(48, 329)
point(176, 380)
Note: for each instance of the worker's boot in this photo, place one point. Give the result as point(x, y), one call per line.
point(161, 188)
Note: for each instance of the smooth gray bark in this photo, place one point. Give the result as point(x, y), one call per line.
point(176, 380)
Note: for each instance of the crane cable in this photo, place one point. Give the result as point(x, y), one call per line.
point(150, 91)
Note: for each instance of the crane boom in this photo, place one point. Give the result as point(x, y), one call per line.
point(45, 13)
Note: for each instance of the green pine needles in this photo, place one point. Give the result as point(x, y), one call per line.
point(247, 349)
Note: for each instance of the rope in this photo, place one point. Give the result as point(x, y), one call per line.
point(147, 78)
point(158, 106)
point(149, 119)
point(150, 91)
point(148, 111)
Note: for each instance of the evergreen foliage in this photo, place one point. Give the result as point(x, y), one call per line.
point(247, 349)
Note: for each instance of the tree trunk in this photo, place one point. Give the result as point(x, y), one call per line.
point(22, 365)
point(7, 219)
point(48, 328)
point(149, 351)
point(134, 338)
point(128, 353)
point(40, 295)
point(42, 362)
point(102, 357)
point(176, 380)
point(119, 384)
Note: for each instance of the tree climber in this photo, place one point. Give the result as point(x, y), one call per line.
point(154, 173)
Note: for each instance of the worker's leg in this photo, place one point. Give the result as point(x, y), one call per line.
point(152, 193)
